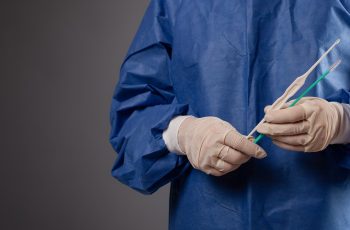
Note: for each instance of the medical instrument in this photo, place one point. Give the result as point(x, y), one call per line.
point(335, 65)
point(293, 88)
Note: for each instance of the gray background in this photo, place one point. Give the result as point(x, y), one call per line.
point(59, 65)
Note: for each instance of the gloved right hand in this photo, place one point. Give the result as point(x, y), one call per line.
point(214, 146)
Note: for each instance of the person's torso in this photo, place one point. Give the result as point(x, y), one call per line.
point(230, 59)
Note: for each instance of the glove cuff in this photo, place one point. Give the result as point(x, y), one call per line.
point(170, 135)
point(342, 134)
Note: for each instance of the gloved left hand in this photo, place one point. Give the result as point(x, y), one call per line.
point(309, 126)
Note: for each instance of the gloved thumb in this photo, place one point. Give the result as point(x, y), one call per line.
point(238, 142)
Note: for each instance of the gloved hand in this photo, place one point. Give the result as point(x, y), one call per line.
point(309, 126)
point(214, 146)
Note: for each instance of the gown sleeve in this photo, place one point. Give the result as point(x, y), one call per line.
point(144, 103)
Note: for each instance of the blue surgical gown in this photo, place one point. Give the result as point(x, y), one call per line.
point(229, 59)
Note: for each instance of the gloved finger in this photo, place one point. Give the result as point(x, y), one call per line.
point(238, 142)
point(225, 167)
point(287, 129)
point(287, 115)
point(232, 156)
point(267, 108)
point(298, 148)
point(302, 139)
point(213, 171)
point(286, 105)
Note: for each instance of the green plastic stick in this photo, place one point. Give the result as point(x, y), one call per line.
point(305, 92)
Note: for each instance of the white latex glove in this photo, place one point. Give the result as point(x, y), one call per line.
point(309, 126)
point(214, 146)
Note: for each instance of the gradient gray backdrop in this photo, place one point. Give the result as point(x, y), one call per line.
point(59, 65)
